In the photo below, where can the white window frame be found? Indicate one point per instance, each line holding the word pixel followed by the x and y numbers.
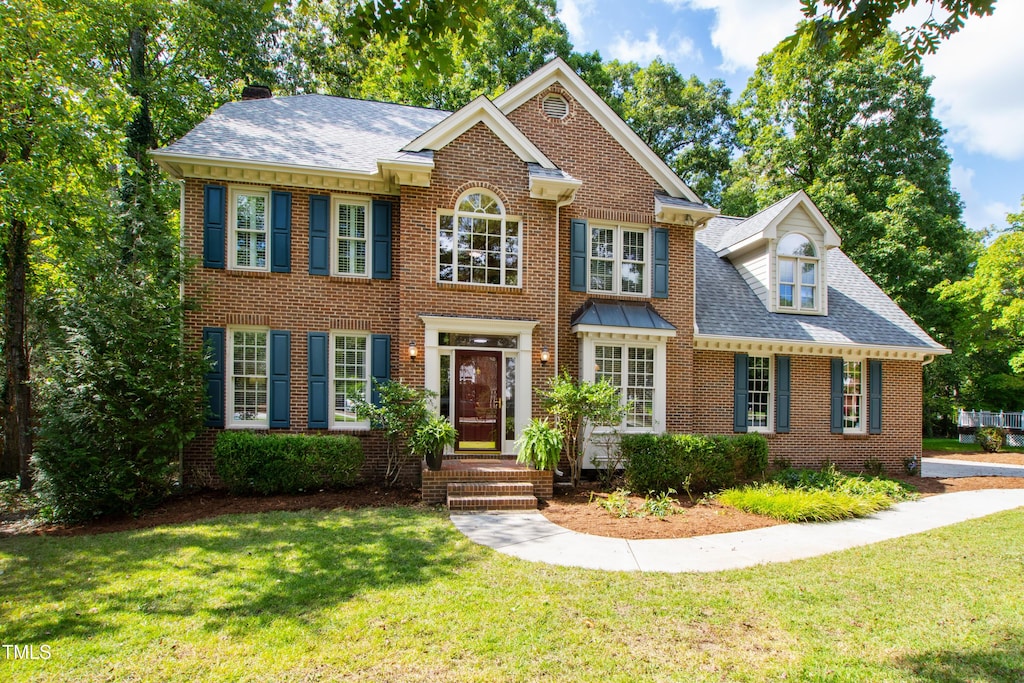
pixel 861 426
pixel 333 422
pixel 229 398
pixel 233 194
pixel 798 262
pixel 336 202
pixel 618 230
pixel 505 218
pixel 770 411
pixel 588 357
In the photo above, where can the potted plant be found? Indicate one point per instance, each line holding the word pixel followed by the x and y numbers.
pixel 430 439
pixel 540 446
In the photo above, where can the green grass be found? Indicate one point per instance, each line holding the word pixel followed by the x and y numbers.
pixel 954 446
pixel 796 505
pixel 399 595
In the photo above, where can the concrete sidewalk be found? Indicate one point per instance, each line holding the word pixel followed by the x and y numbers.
pixel 943 468
pixel 530 536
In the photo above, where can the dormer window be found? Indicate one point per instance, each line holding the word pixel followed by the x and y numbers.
pixel 798 274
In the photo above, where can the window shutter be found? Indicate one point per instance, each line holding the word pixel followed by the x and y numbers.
pixel 319 235
pixel 782 392
pixel 837 395
pixel 280 379
pixel 381 241
pixel 281 232
pixel 660 281
pixel 213 345
pixel 317 352
pixel 739 406
pixel 874 397
pixel 380 363
pixel 578 256
pixel 214 219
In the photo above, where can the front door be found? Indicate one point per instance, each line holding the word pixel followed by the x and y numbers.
pixel 478 392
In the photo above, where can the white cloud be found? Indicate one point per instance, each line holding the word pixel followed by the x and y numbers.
pixel 745 29
pixel 626 48
pixel 979 214
pixel 572 13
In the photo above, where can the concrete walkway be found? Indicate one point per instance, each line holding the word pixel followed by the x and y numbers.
pixel 530 536
pixel 943 468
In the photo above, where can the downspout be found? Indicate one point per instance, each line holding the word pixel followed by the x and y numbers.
pixel 181 297
pixel 558 268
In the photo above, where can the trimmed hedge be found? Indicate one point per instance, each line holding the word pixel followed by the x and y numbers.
pixel 658 462
pixel 265 464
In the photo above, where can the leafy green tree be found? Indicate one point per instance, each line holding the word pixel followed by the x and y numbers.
pixel 577 408
pixel 688 123
pixel 399 412
pixel 858 23
pixel 860 137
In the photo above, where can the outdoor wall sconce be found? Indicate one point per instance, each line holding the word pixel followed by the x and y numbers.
pixel 412 351
pixel 544 355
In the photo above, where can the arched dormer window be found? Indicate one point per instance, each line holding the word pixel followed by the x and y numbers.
pixel 798 274
pixel 478 243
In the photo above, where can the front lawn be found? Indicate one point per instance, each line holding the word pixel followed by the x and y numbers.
pixel 397 594
pixel 954 446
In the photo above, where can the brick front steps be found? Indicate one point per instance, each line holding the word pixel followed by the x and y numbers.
pixel 486 484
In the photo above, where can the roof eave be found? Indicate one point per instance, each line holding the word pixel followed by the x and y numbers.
pixel 796 347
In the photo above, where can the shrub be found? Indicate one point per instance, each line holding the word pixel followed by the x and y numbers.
pixel 801 505
pixel 265 464
pixel 874 467
pixel 991 439
pixel 540 446
pixel 692 462
pixel 399 412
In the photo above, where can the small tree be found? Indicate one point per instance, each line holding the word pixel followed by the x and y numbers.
pixel 399 412
pixel 577 408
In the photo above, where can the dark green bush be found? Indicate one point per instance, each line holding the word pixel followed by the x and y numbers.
pixel 991 439
pixel 660 462
pixel 265 464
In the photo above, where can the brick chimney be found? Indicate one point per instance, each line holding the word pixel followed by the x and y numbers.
pixel 256 92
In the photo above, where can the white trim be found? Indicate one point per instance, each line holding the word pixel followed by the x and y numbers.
pixel 686 216
pixel 768 428
pixel 789 347
pixel 561 190
pixel 614 333
pixel 480 110
pixel 830 238
pixel 617 236
pixel 367 205
pixel 820 286
pixel 557 71
pixel 229 376
pixel 862 428
pixel 358 425
pixel 505 219
pixel 233 192
pixel 587 373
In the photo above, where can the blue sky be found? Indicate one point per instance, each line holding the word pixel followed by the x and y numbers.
pixel 978 74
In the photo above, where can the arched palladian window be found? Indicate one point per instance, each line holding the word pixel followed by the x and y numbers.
pixel 478 243
pixel 798 273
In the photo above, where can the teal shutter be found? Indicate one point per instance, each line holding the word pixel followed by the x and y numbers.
pixel 739 405
pixel 782 392
pixel 874 397
pixel 280 379
pixel 214 220
pixel 317 352
pixel 660 280
pixel 578 255
pixel 281 232
pixel 213 347
pixel 319 235
pixel 381 241
pixel 380 363
pixel 837 395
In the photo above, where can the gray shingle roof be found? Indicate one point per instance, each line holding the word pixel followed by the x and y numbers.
pixel 538 171
pixel 858 311
pixel 619 314
pixel 317 131
pixel 679 201
pixel 748 227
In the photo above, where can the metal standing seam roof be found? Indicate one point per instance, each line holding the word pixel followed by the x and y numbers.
pixel 859 312
pixel 317 131
pixel 620 314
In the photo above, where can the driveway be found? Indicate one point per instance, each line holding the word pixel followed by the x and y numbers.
pixel 942 468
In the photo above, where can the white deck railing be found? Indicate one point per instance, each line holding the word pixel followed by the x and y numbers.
pixel 1012 422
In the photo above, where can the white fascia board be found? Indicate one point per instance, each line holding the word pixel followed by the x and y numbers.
pixel 480 110
pixel 743 245
pixel 414 173
pixel 619 333
pixel 555 189
pixel 163 157
pixel 800 198
pixel 807 348
pixel 446 323
pixel 558 71
pixel 687 216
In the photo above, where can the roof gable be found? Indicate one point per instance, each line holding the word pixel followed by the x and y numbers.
pixel 764 225
pixel 480 110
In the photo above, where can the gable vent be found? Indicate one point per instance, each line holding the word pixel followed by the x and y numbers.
pixel 555 107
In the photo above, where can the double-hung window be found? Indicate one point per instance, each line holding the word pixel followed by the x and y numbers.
pixel 798 274
pixel 631 370
pixel 351 243
pixel 853 397
pixel 478 243
pixel 250 211
pixel 247 384
pixel 618 259
pixel 759 393
pixel 350 376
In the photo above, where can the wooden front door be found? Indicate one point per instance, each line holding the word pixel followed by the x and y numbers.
pixel 478 392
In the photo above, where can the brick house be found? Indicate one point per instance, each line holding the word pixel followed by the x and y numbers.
pixel 478 252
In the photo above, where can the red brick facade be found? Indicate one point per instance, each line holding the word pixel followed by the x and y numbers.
pixel 615 188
